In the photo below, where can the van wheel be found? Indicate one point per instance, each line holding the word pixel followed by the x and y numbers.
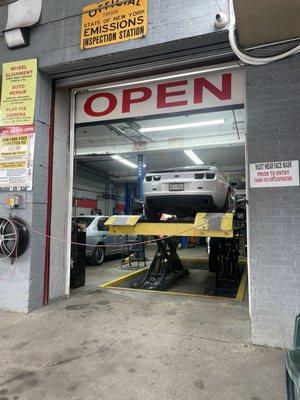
pixel 98 255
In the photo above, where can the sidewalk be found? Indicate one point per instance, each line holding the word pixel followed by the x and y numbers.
pixel 113 345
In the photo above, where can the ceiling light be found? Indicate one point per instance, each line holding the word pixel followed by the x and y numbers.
pixel 124 161
pixel 182 126
pixel 193 157
pixel 198 71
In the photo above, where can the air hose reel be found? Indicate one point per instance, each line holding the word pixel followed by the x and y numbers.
pixel 14 237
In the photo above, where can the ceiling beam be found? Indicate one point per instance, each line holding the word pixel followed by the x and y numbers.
pixel 80 166
pixel 136 128
pixel 120 132
pixel 173 144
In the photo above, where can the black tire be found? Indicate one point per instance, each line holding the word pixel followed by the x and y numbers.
pixel 98 256
pixel 229 203
pixel 23 236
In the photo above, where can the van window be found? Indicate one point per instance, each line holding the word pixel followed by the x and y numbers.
pixel 101 226
pixel 84 221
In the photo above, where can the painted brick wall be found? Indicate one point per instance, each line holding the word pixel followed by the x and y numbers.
pixel 273 107
pixel 21 284
pixel 55 39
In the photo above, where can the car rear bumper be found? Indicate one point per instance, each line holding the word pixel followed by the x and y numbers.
pixel 188 204
pixel 89 251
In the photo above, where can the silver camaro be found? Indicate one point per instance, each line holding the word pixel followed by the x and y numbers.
pixel 97 234
pixel 186 191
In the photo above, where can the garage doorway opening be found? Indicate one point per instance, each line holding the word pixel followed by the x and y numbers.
pixel 118 161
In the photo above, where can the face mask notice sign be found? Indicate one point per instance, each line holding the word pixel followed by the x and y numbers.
pixel 114 21
pixel 274 174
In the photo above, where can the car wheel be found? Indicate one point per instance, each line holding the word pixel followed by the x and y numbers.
pixel 229 202
pixel 98 256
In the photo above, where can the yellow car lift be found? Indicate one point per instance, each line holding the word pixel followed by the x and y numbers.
pixel 166 266
pixel 205 225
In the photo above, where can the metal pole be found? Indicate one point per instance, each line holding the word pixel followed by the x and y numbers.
pixel 128 198
pixel 141 175
pixel 140 250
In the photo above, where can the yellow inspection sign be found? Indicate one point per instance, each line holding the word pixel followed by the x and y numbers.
pixel 114 21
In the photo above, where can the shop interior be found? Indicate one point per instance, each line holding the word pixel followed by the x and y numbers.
pixel 111 163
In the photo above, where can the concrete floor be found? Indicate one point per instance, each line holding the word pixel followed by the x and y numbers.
pixel 118 345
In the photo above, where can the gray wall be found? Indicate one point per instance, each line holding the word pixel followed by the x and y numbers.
pixel 273 111
pixel 91 185
pixel 21 284
pixel 55 40
pixel 59 206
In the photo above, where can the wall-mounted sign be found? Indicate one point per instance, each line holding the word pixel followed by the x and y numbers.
pixel 16 157
pixel 18 93
pixel 187 91
pixel 108 22
pixel 274 174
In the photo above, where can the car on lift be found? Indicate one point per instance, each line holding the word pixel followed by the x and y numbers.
pixel 187 191
pixel 97 234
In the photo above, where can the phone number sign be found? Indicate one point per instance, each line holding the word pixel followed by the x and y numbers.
pixel 109 22
pixel 274 174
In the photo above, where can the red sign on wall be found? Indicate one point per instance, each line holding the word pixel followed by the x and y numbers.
pixel 84 203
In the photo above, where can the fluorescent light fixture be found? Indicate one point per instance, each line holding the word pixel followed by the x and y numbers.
pixel 198 71
pixel 193 157
pixel 182 126
pixel 124 161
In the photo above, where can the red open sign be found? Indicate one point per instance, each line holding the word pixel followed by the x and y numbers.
pixel 213 90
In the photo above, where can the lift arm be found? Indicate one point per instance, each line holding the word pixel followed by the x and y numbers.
pixel 205 225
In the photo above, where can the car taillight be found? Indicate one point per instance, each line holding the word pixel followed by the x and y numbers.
pixel 199 176
pixel 148 178
pixel 156 178
pixel 210 176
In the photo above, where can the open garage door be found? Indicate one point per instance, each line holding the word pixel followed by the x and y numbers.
pixel 176 144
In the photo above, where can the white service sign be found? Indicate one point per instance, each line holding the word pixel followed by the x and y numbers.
pixel 274 174
pixel 157 95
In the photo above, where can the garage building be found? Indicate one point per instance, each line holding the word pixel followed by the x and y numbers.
pixel 183 72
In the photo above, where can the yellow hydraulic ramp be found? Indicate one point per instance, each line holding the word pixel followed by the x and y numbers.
pixel 205 225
